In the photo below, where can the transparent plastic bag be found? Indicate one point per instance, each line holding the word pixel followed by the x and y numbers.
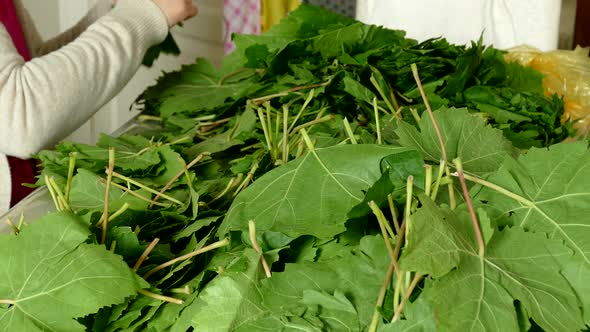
pixel 567 73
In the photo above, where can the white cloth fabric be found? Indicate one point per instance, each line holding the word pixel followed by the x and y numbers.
pixel 70 77
pixel 504 23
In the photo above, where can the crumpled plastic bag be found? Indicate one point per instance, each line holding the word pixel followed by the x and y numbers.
pixel 567 73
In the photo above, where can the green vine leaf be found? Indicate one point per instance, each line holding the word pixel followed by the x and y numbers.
pixel 553 187
pixel 53 276
pixel 482 149
pixel 479 294
pixel 311 195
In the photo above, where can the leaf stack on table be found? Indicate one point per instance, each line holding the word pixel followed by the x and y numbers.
pixel 307 185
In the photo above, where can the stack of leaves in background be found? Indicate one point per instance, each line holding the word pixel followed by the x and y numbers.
pixel 313 146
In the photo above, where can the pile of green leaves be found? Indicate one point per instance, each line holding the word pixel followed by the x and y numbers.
pixel 311 148
pixel 357 62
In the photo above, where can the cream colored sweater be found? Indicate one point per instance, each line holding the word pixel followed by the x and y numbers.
pixel 70 76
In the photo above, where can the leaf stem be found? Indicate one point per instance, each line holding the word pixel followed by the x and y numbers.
pixel 393 212
pixel 476 228
pixel 183 290
pixel 145 254
pixel 313 122
pixel 60 195
pixel 142 186
pixel 71 169
pixel 105 214
pixel 498 189
pixel 382 222
pixel 429 109
pixel 232 74
pixel 119 212
pixel 277 129
pixel 9 302
pixel 413 285
pixel 58 206
pixel 260 100
pixel 428 182
pixel 409 195
pixel 269 127
pixel 381 298
pixel 13 226
pixel 252 233
pixel 349 131
pixel 307 141
pixel 415 115
pixel 452 200
pixel 377 124
pixel 399 285
pixel 247 180
pixel 382 93
pixel 303 108
pixel 441 171
pixel 229 186
pixel 144 118
pixel 394 100
pixel 262 118
pixel 133 193
pixel 210 247
pixel 160 297
pixel 178 175
pixel 285 134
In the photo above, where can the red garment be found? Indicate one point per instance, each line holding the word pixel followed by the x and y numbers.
pixel 582 34
pixel 21 171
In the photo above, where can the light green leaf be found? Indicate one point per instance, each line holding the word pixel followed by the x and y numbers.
pixel 296 299
pixel 129 154
pixel 479 294
pixel 481 148
pixel 431 244
pixel 197 88
pixel 53 276
pixel 419 318
pixel 311 195
pixel 88 191
pixel 337 311
pixel 555 186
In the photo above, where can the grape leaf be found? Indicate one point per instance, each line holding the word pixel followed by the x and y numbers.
pixel 53 276
pixel 478 295
pixel 431 243
pixel 343 288
pixel 311 195
pixel 419 318
pixel 481 148
pixel 128 156
pixel 88 191
pixel 168 46
pixel 197 87
pixel 554 185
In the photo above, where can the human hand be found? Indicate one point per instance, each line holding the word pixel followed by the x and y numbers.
pixel 177 11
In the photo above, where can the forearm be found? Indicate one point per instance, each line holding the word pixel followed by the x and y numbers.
pixel 45 99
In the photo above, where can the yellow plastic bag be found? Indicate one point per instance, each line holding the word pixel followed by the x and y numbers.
pixel 567 73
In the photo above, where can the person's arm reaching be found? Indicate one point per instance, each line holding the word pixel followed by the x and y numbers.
pixel 38 47
pixel 45 99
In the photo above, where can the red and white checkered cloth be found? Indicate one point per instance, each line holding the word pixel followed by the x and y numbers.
pixel 240 16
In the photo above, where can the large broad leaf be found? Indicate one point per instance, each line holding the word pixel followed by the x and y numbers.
pixel 131 153
pixel 555 186
pixel 479 294
pixel 53 276
pixel 311 195
pixel 419 318
pixel 481 148
pixel 338 294
pixel 88 191
pixel 197 88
